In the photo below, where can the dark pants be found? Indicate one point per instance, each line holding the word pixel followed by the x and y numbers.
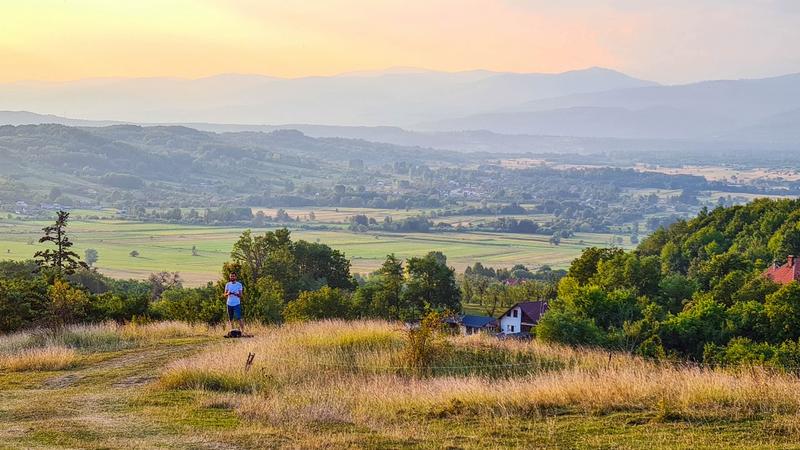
pixel 235 312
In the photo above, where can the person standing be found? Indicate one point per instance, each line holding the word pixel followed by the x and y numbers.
pixel 233 293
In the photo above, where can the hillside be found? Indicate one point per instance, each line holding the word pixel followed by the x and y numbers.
pixel 163 162
pixel 572 137
pixel 695 289
pixel 341 384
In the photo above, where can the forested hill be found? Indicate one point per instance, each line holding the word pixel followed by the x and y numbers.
pixel 694 289
pixel 184 164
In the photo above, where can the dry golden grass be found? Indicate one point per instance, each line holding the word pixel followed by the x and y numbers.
pixel 46 358
pixel 351 372
pixel 59 349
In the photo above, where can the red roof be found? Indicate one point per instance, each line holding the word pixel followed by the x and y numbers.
pixel 786 273
pixel 533 311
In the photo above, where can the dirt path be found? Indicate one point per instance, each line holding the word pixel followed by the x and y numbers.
pixel 98 405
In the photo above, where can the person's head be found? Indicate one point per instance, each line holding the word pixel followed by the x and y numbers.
pixel 232 276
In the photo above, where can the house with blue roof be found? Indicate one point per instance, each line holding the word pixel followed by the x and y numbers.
pixel 471 324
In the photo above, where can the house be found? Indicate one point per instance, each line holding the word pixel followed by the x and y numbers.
pixel 468 324
pixel 786 273
pixel 521 317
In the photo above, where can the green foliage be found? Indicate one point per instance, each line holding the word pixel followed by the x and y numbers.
pixel 742 351
pixel 90 256
pixel 783 310
pixel 23 302
pixel 694 327
pixel 425 344
pixel 118 307
pixel 694 289
pixel 569 327
pixel 297 266
pixel 67 304
pixel 326 303
pixel 585 266
pixel 61 259
pixel 267 305
pixel 430 285
pixel 380 296
pixel 193 305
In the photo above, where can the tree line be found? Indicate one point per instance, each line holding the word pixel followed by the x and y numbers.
pixel 285 280
pixel 695 289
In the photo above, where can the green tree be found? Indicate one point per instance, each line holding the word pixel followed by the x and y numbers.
pixel 193 305
pixel 431 285
pixel 163 281
pixel 694 327
pixel 321 264
pixel 23 302
pixel 90 256
pixel 67 304
pixel 326 303
pixel 267 306
pixel 584 267
pixel 569 327
pixel 783 311
pixel 380 296
pixel 62 259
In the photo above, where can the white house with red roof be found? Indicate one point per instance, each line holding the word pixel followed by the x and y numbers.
pixel 521 317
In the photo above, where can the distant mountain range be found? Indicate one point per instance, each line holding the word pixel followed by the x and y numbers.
pixel 730 109
pixel 397 98
pixel 467 111
pixel 461 141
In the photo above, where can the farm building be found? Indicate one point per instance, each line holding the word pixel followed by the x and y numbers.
pixel 786 273
pixel 469 324
pixel 521 317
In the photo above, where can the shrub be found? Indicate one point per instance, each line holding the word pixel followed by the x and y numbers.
pixel 569 328
pixel 325 303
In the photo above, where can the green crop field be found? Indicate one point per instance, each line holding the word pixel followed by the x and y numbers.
pixel 169 247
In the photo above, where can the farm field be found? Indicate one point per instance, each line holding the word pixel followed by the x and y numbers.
pixel 169 247
pixel 171 385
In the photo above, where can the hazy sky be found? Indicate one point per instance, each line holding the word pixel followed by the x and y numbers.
pixel 662 40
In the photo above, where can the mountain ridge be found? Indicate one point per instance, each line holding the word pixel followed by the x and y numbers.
pixel 399 99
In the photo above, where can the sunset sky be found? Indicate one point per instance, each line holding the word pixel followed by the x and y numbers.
pixel 667 41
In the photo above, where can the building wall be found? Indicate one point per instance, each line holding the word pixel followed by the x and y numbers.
pixel 508 321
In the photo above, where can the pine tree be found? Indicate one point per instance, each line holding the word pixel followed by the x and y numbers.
pixel 62 259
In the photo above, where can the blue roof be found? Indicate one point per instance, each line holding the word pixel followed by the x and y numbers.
pixel 476 321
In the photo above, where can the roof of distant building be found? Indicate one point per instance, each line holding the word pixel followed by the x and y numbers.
pixel 786 273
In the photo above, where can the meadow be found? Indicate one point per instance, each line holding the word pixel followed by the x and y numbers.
pixel 349 385
pixel 169 246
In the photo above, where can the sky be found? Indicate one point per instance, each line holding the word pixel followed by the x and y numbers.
pixel 670 41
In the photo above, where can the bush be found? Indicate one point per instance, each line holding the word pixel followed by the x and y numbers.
pixel 22 303
pixel 325 303
pixel 196 305
pixel 569 328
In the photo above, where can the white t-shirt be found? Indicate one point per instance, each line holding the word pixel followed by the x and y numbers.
pixel 234 289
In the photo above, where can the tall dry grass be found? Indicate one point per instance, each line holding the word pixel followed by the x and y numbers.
pixel 45 358
pixel 352 372
pixel 63 348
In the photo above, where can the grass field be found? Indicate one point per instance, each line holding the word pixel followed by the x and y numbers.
pixel 169 247
pixel 344 385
